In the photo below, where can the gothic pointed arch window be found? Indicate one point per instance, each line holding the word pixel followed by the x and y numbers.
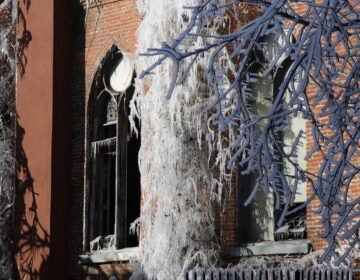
pixel 115 179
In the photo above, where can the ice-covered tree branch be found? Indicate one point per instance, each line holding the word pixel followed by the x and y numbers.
pixel 310 52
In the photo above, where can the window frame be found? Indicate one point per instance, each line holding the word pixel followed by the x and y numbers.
pixel 242 180
pixel 100 87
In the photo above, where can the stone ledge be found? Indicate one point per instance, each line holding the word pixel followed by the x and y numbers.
pixel 122 255
pixel 300 246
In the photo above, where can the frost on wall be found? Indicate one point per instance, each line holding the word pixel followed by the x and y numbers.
pixel 320 43
pixel 180 184
pixel 8 10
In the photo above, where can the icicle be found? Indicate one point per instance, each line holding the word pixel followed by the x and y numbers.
pixel 319 57
pixel 98 145
pixel 177 152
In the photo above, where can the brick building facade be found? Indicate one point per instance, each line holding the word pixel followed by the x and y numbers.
pixel 95 32
pixel 71 75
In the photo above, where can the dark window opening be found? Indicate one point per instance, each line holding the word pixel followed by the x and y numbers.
pixel 133 194
pixel 115 177
pixel 257 221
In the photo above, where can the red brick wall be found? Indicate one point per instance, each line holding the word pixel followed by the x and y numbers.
pixel 314 227
pixel 94 30
pixel 228 219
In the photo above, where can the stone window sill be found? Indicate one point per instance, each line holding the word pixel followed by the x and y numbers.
pixel 122 255
pixel 300 246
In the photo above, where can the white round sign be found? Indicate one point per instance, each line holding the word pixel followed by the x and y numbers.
pixel 121 74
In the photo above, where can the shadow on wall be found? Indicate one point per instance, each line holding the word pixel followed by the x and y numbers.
pixel 31 240
pixel 24 36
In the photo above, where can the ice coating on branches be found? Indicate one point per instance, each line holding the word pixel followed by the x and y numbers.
pixel 319 41
pixel 8 12
pixel 179 180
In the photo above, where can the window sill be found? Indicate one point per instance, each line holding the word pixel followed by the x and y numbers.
pixel 300 246
pixel 122 255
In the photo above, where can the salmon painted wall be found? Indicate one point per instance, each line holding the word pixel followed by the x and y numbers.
pixel 42 94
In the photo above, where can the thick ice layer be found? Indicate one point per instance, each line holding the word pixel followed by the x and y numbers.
pixel 177 152
pixel 320 56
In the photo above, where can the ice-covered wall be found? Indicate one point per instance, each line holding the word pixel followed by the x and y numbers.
pixel 317 76
pixel 8 11
pixel 179 180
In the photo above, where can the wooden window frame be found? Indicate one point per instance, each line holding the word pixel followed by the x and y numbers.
pixel 120 233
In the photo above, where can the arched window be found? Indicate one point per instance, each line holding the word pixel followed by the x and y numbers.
pixel 261 215
pixel 115 178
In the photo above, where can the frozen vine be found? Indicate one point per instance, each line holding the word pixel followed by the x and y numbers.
pixel 315 47
pixel 180 184
pixel 8 12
